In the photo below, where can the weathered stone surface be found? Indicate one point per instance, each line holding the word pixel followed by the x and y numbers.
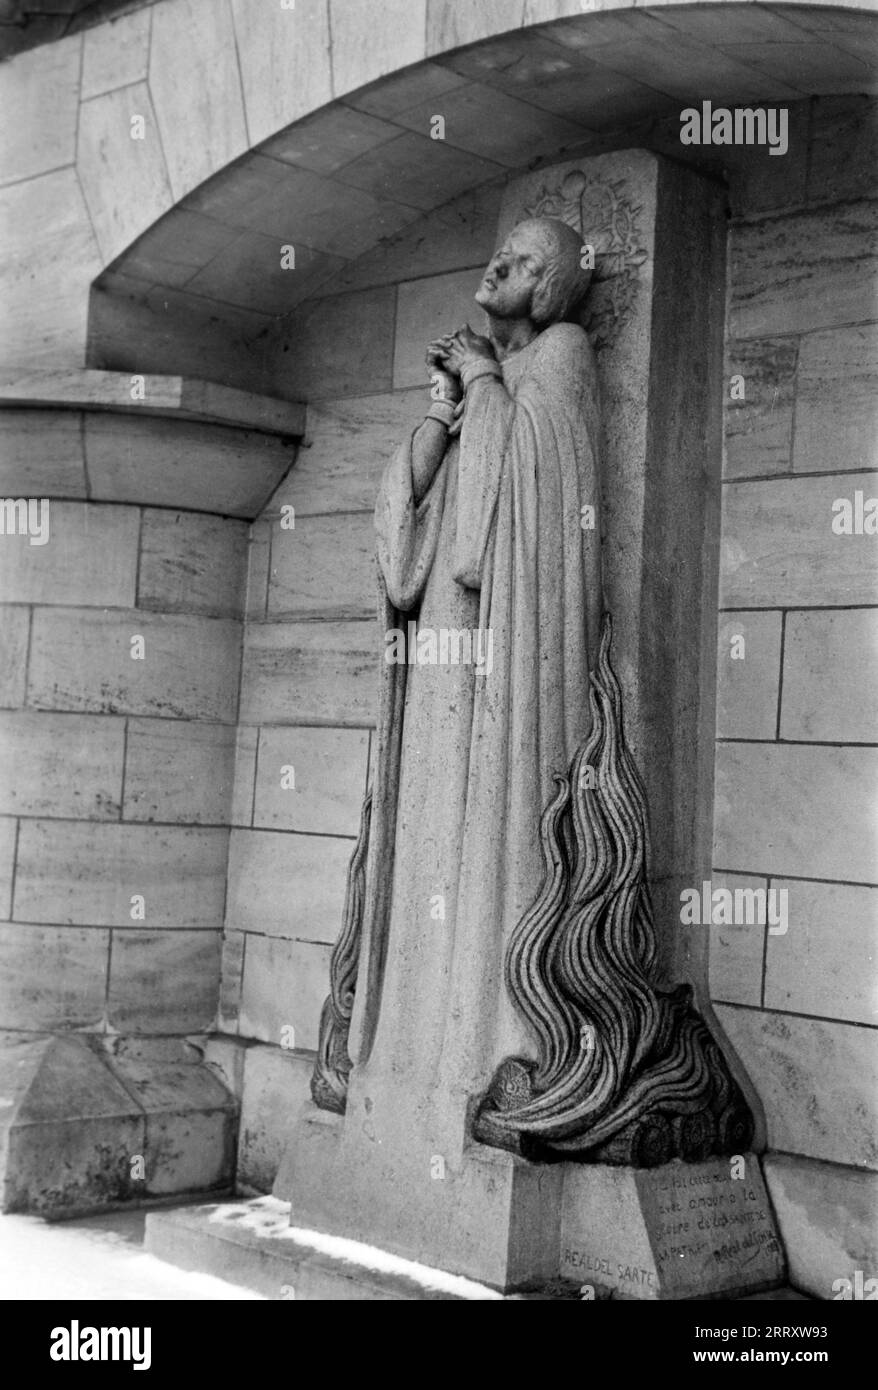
pixel 224 1056
pixel 163 981
pixel 86 874
pixel 452 237
pixel 97 1123
pixel 827 1219
pixel 8 834
pixel 252 1242
pixel 756 184
pixel 837 400
pixel 124 178
pixel 736 951
pixel 175 248
pixel 830 676
pixel 38 110
pixel 190 1115
pixel 492 1185
pixel 142 330
pixel 276 1086
pixel 41 454
pixel 844 148
pixel 196 87
pixel 284 57
pixel 450 26
pixel 812 65
pixel 349 443
pixel 426 309
pixel 61 765
pixel 759 427
pixel 53 1167
pixel 258 554
pixel 52 977
pixel 824 964
pixel 339 346
pixel 245 775
pixel 81 660
pixel 494 125
pixel 50 259
pixel 115 54
pixel 329 767
pixel 178 770
pixel 232 974
pixel 250 273
pixel 330 138
pixel 402 89
pixel 14 629
pixel 287 885
pixel 801 271
pixel 685 1230
pixel 365 44
pixel 191 563
pixel 90 557
pixel 770 818
pixel 284 985
pixel 814 566
pixel 783 1054
pixel 146 393
pixel 323 569
pixel 197 467
pixel 747 683
pixel 306 210
pixel 326 674
pixel 420 172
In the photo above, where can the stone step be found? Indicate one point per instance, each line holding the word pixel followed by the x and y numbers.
pixel 251 1243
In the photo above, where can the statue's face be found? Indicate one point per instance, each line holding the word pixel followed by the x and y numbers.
pixel 515 271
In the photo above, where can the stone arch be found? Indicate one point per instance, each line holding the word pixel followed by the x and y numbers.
pixel 297 131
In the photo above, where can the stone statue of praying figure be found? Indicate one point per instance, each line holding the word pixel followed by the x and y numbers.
pixel 488 552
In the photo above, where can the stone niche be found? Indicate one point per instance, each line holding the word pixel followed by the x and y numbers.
pixel 655 313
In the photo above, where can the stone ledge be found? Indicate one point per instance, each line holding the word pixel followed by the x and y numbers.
pixel 176 397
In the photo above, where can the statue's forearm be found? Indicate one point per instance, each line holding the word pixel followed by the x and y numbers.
pixel 428 450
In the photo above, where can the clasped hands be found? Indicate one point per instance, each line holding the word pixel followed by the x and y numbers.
pixel 448 356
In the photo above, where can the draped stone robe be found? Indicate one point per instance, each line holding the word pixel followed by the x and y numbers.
pixel 466 760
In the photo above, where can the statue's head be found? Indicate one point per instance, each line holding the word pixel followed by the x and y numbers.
pixel 535 274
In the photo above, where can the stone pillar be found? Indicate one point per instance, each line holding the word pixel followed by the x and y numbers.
pixel 655 315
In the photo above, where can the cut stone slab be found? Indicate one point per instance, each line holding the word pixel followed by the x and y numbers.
pixel 88 1123
pixel 682 1231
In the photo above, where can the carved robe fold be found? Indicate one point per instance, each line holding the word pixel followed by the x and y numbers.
pixel 466 760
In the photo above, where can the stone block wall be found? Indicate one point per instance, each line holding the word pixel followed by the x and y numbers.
pixel 796 759
pixel 118 770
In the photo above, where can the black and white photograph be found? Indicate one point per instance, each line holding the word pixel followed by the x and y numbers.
pixel 438 668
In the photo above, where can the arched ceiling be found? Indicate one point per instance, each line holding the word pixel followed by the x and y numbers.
pixel 359 170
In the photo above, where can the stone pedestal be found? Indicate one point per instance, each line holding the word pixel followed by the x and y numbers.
pixel 487 1215
pixel 685 1230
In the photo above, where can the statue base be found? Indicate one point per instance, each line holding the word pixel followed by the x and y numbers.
pixel 680 1231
